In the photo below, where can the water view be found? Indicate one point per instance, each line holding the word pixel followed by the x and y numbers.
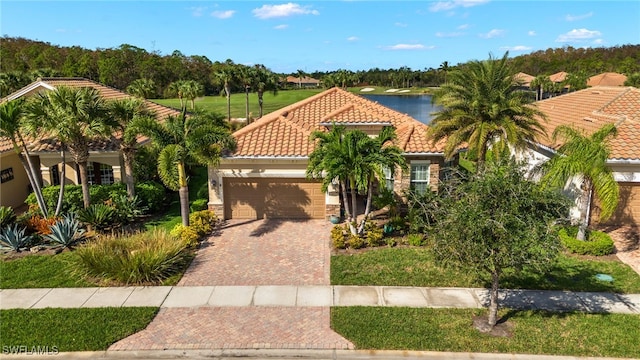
pixel 418 107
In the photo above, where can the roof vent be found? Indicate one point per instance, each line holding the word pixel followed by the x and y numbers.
pixel 586 118
pixel 285 113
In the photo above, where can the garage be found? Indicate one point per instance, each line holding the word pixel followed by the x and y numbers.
pixel 628 210
pixel 273 198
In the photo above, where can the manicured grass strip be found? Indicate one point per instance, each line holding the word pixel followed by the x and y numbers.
pixel 40 271
pixel 71 329
pixel 573 334
pixel 416 267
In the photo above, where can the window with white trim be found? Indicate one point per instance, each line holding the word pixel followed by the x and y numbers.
pixel 420 176
pixel 388 178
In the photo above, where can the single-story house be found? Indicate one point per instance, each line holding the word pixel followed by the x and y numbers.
pixel 558 77
pixel 525 78
pixel 105 160
pixel 607 79
pixel 266 176
pixel 305 81
pixel 588 110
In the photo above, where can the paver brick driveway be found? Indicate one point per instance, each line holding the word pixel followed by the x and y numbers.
pixel 263 252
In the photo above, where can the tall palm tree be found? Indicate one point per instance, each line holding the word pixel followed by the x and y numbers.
pixel 75 117
pixel 585 157
pixel 481 106
pixel 226 77
pixel 444 68
pixel 124 112
pixel 541 84
pixel 247 78
pixel 190 90
pixel 301 74
pixel 200 138
pixel 142 88
pixel 353 159
pixel 11 127
pixel 176 89
pixel 265 80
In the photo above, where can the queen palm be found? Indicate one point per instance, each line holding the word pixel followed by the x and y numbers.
pixel 76 117
pixel 481 106
pixel 124 112
pixel 226 77
pixel 265 80
pixel 200 138
pixel 541 84
pixel 585 157
pixel 11 128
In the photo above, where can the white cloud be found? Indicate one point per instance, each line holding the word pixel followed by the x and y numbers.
pixel 579 35
pixel 223 14
pixel 281 27
pixel 598 41
pixel 399 24
pixel 493 33
pixel 198 11
pixel 570 17
pixel 449 35
pixel 449 5
pixel 531 33
pixel 408 47
pixel 282 10
pixel 516 48
pixel 353 38
pixel 463 27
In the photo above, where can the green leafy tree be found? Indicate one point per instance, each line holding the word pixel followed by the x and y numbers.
pixel 482 107
pixel 11 127
pixel 200 138
pixel 577 80
pixel 75 117
pixel 353 159
pixel 633 80
pixel 142 88
pixel 498 222
pixel 585 158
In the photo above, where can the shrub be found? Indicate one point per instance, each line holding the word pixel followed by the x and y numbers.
pixel 66 232
pixel 416 239
pixel 202 221
pixel 151 195
pixel 597 243
pixel 15 238
pixel 141 259
pixel 355 241
pixel 7 216
pixel 198 205
pixel 373 234
pixel 187 235
pixel 99 216
pixel 337 237
pixel 72 201
pixel 39 225
pixel 126 210
pixel 390 241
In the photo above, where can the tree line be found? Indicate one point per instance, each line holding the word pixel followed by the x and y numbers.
pixel 24 60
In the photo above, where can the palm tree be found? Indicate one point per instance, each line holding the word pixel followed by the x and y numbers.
pixel 200 138
pixel 585 157
pixel 444 67
pixel 142 88
pixel 76 117
pixel 11 125
pixel 226 77
pixel 125 112
pixel 176 89
pixel 481 106
pixel 190 90
pixel 353 159
pixel 541 84
pixel 247 77
pixel 265 80
pixel 301 74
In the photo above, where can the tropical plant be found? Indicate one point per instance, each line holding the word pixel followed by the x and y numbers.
pixel 265 80
pixel 633 80
pixel 191 89
pixel 246 76
pixel 482 107
pixel 11 127
pixel 7 216
pixel 99 216
pixel 353 159
pixel 15 237
pixel 200 138
pixel 66 232
pixel 584 158
pixel 444 68
pixel 142 88
pixel 76 117
pixel 126 209
pixel 301 74
pixel 226 76
pixel 541 84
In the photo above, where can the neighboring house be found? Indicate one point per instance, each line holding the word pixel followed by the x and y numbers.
pixel 589 110
pixel 525 79
pixel 105 160
pixel 607 79
pixel 266 176
pixel 558 77
pixel 305 82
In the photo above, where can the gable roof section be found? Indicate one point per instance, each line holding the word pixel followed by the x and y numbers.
pixel 108 93
pixel 286 132
pixel 304 80
pixel 590 109
pixel 525 78
pixel 558 77
pixel 607 79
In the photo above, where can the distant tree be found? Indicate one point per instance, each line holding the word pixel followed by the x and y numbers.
pixel 265 80
pixel 497 222
pixel 301 74
pixel 633 80
pixel 577 80
pixel 246 76
pixel 444 68
pixel 191 89
pixel 142 88
pixel 226 77
pixel 540 84
pixel 175 89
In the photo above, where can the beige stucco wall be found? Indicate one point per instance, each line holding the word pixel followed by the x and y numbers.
pixel 13 192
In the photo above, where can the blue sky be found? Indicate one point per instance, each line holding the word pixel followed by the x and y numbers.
pixel 328 35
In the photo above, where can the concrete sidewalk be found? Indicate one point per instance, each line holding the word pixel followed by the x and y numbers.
pixel 314 296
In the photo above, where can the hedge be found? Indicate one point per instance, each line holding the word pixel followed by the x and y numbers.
pixel 597 243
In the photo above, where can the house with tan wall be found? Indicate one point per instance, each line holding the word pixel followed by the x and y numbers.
pixel 266 176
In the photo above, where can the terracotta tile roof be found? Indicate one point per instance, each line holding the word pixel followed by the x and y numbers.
pixel 590 109
pixel 558 77
pixel 525 78
pixel 286 132
pixel 607 79
pixel 108 93
pixel 305 80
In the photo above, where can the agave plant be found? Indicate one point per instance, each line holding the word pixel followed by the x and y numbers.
pixel 66 232
pixel 15 237
pixel 100 216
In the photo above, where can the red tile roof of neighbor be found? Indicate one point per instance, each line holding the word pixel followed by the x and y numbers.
pixel 305 80
pixel 558 77
pixel 285 132
pixel 592 108
pixel 525 78
pixel 106 92
pixel 607 79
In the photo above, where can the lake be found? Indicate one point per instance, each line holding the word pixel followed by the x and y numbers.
pixel 418 107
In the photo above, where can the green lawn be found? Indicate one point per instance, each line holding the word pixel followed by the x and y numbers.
pixel 40 271
pixel 416 267
pixel 534 332
pixel 62 330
